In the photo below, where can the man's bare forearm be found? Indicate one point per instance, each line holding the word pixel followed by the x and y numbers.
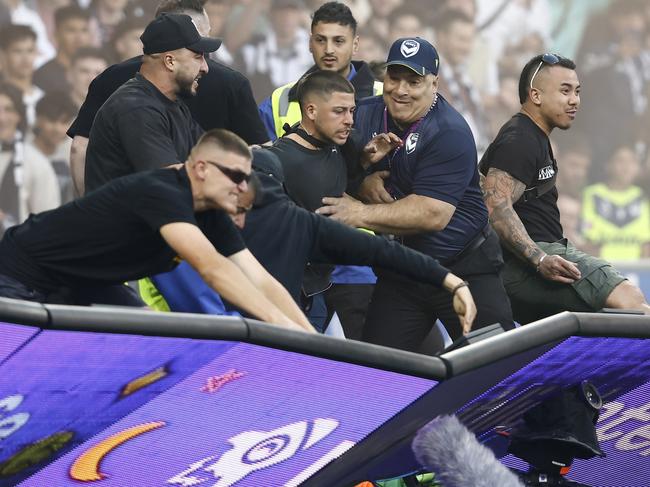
pixel 407 216
pixel 78 163
pixel 500 189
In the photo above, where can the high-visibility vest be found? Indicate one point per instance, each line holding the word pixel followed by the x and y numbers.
pixel 287 111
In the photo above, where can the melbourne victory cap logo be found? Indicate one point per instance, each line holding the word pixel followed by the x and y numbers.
pixel 409 48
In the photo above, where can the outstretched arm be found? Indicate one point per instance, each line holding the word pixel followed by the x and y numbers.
pixel 270 287
pixel 500 190
pixel 339 244
pixel 226 277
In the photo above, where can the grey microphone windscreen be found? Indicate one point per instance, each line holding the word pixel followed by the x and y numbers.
pixel 453 453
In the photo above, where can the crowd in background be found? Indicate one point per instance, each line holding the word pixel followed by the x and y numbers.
pixel 50 50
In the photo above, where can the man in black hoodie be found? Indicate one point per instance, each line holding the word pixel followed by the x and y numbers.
pixel 333 42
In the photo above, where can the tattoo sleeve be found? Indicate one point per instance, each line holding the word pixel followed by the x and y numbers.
pixel 500 190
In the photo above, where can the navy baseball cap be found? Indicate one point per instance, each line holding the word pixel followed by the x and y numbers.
pixel 415 53
pixel 169 32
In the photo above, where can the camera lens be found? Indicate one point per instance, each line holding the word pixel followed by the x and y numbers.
pixel 591 395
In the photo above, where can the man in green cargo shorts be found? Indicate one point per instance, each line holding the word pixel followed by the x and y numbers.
pixel 544 273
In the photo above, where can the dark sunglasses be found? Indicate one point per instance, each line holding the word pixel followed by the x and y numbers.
pixel 235 175
pixel 550 59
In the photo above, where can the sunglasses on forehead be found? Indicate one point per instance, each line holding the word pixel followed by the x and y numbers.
pixel 235 175
pixel 550 59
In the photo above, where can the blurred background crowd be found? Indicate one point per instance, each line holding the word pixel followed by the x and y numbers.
pixel 50 50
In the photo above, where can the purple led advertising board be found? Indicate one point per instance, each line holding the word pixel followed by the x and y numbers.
pixel 619 368
pixel 106 410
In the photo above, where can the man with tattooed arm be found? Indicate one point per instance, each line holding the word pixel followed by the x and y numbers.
pixel 544 273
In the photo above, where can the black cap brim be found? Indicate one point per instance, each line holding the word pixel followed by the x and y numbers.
pixel 205 44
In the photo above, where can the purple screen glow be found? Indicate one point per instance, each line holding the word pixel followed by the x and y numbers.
pixel 620 369
pixel 119 410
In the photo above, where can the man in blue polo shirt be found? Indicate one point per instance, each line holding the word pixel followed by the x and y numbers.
pixel 425 191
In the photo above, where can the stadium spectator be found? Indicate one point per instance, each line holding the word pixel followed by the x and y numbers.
pixel 407 22
pixel 313 156
pixel 333 43
pixel 18 48
pixel 54 112
pixel 372 49
pixel 140 225
pixel 280 54
pixel 426 193
pixel 126 43
pixel 106 15
pixel 623 61
pixel 22 14
pixel 86 64
pixel 72 31
pixel 381 19
pixel 616 213
pixel 27 181
pixel 544 273
pixel 145 124
pixel 455 37
pixel 576 163
pixel 218 12
pixel 223 99
pixel 512 22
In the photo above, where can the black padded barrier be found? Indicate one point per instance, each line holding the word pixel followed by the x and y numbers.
pixel 115 319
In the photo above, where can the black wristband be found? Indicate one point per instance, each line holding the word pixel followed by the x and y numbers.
pixel 458 286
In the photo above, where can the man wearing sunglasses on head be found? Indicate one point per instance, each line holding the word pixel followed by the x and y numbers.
pixel 144 224
pixel 544 273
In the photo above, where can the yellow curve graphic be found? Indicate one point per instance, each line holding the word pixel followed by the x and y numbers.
pixel 86 467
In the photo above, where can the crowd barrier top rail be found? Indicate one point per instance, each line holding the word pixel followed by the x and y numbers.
pixel 114 319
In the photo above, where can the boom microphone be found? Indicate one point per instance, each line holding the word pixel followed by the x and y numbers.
pixel 451 451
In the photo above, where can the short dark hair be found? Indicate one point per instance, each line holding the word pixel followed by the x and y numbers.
pixel 448 16
pixel 334 13
pixel 16 97
pixel 14 33
pixel 56 106
pixel 89 52
pixel 531 67
pixel 69 12
pixel 226 141
pixel 324 83
pixel 179 6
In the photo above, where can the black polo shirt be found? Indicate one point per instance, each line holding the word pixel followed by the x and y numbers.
pixel 224 99
pixel 138 128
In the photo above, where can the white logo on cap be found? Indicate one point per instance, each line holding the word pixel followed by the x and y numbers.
pixel 409 48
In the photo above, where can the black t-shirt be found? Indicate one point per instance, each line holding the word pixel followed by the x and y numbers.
pixel 223 100
pixel 111 235
pixel 309 175
pixel 137 129
pixel 523 150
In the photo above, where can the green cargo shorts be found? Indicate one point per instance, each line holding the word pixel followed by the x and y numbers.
pixel 534 297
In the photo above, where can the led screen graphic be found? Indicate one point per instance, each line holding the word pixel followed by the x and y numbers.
pixel 620 369
pixel 108 410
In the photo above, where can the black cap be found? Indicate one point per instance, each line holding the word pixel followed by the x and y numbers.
pixel 169 32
